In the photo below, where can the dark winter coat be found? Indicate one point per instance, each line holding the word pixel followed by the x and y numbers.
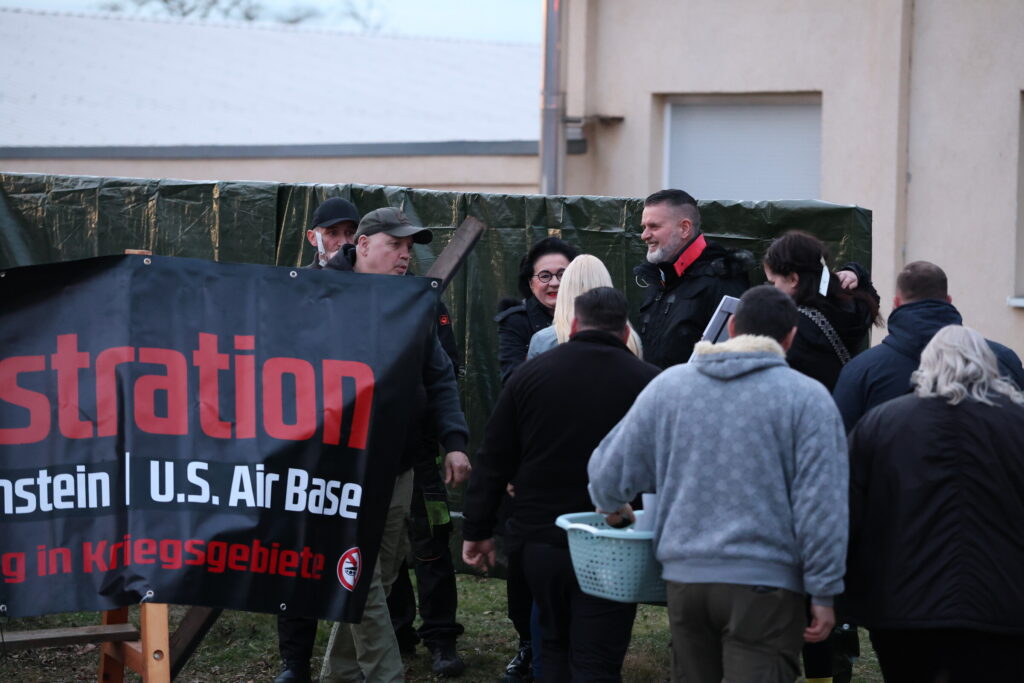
pixel 516 324
pixel 937 517
pixel 883 372
pixel 549 418
pixel 811 353
pixel 437 398
pixel 676 309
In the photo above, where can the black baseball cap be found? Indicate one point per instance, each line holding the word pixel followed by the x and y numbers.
pixel 333 211
pixel 393 222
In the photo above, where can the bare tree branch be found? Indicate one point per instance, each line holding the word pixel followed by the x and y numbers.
pixel 365 15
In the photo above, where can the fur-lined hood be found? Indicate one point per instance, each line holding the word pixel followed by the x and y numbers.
pixel 738 356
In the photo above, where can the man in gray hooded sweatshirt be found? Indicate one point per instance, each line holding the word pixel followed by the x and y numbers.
pixel 748 458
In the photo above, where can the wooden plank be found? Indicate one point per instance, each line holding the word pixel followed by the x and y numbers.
pixel 194 626
pixel 141 252
pixel 74 635
pixel 131 655
pixel 111 668
pixel 155 666
pixel 463 241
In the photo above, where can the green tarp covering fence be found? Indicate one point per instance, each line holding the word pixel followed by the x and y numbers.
pixel 46 218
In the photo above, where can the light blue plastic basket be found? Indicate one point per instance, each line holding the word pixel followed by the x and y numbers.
pixel 616 564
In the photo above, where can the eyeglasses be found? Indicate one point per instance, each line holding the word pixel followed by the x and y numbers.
pixel 545 275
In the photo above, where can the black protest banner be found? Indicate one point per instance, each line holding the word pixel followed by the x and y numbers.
pixel 188 432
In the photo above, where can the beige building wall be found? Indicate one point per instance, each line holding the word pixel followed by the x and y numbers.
pixel 926 91
pixel 471 173
pixel 964 197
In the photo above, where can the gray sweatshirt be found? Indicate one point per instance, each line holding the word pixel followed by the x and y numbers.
pixel 748 458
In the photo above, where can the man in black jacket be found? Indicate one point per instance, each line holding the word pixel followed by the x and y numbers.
pixel 922 306
pixel 551 415
pixel 686 277
pixel 369 649
pixel 429 533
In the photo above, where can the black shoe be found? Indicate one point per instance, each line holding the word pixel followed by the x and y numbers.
pixel 519 669
pixel 447 661
pixel 295 671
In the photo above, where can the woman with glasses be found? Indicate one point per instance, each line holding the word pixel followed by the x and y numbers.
pixel 540 275
pixel 585 273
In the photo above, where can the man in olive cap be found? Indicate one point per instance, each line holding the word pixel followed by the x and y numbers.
pixel 383 246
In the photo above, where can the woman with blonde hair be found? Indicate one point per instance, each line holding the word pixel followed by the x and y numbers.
pixel 936 503
pixel 584 273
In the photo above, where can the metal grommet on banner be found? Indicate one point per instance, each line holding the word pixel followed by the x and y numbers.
pixel 293 274
pixel 283 607
pixel 3 610
pixel 433 283
pixel 147 260
pixel 148 596
pixel 3 274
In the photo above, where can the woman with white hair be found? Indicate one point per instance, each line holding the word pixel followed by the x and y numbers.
pixel 935 569
pixel 583 274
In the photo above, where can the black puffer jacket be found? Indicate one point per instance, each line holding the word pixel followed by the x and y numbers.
pixel 517 321
pixel 936 510
pixel 676 309
pixel 812 353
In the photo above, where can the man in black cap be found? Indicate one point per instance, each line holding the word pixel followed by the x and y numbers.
pixel 383 246
pixel 334 225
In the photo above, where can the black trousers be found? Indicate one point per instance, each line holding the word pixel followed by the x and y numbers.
pixel 295 637
pixel 948 655
pixel 584 638
pixel 435 573
pixel 518 595
pixel 438 600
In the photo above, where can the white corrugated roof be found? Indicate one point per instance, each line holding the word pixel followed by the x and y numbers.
pixel 113 80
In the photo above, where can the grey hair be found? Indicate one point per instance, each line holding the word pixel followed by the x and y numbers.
pixel 958 365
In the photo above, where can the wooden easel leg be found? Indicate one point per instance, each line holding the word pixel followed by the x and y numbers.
pixel 190 632
pixel 156 649
pixel 112 667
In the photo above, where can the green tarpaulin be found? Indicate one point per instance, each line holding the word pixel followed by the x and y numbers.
pixel 45 218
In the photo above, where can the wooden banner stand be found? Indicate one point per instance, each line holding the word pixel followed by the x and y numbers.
pixel 149 656
pixel 150 650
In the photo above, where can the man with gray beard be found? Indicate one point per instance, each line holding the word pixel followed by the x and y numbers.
pixel 686 277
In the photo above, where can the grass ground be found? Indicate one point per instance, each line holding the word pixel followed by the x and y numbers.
pixel 242 646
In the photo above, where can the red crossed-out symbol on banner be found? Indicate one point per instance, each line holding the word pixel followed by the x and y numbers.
pixel 350 568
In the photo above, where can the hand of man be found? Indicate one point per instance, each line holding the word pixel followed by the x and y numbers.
pixel 622 517
pixel 456 468
pixel 847 279
pixel 822 620
pixel 479 554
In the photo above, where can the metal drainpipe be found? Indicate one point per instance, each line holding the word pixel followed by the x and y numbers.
pixel 552 107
